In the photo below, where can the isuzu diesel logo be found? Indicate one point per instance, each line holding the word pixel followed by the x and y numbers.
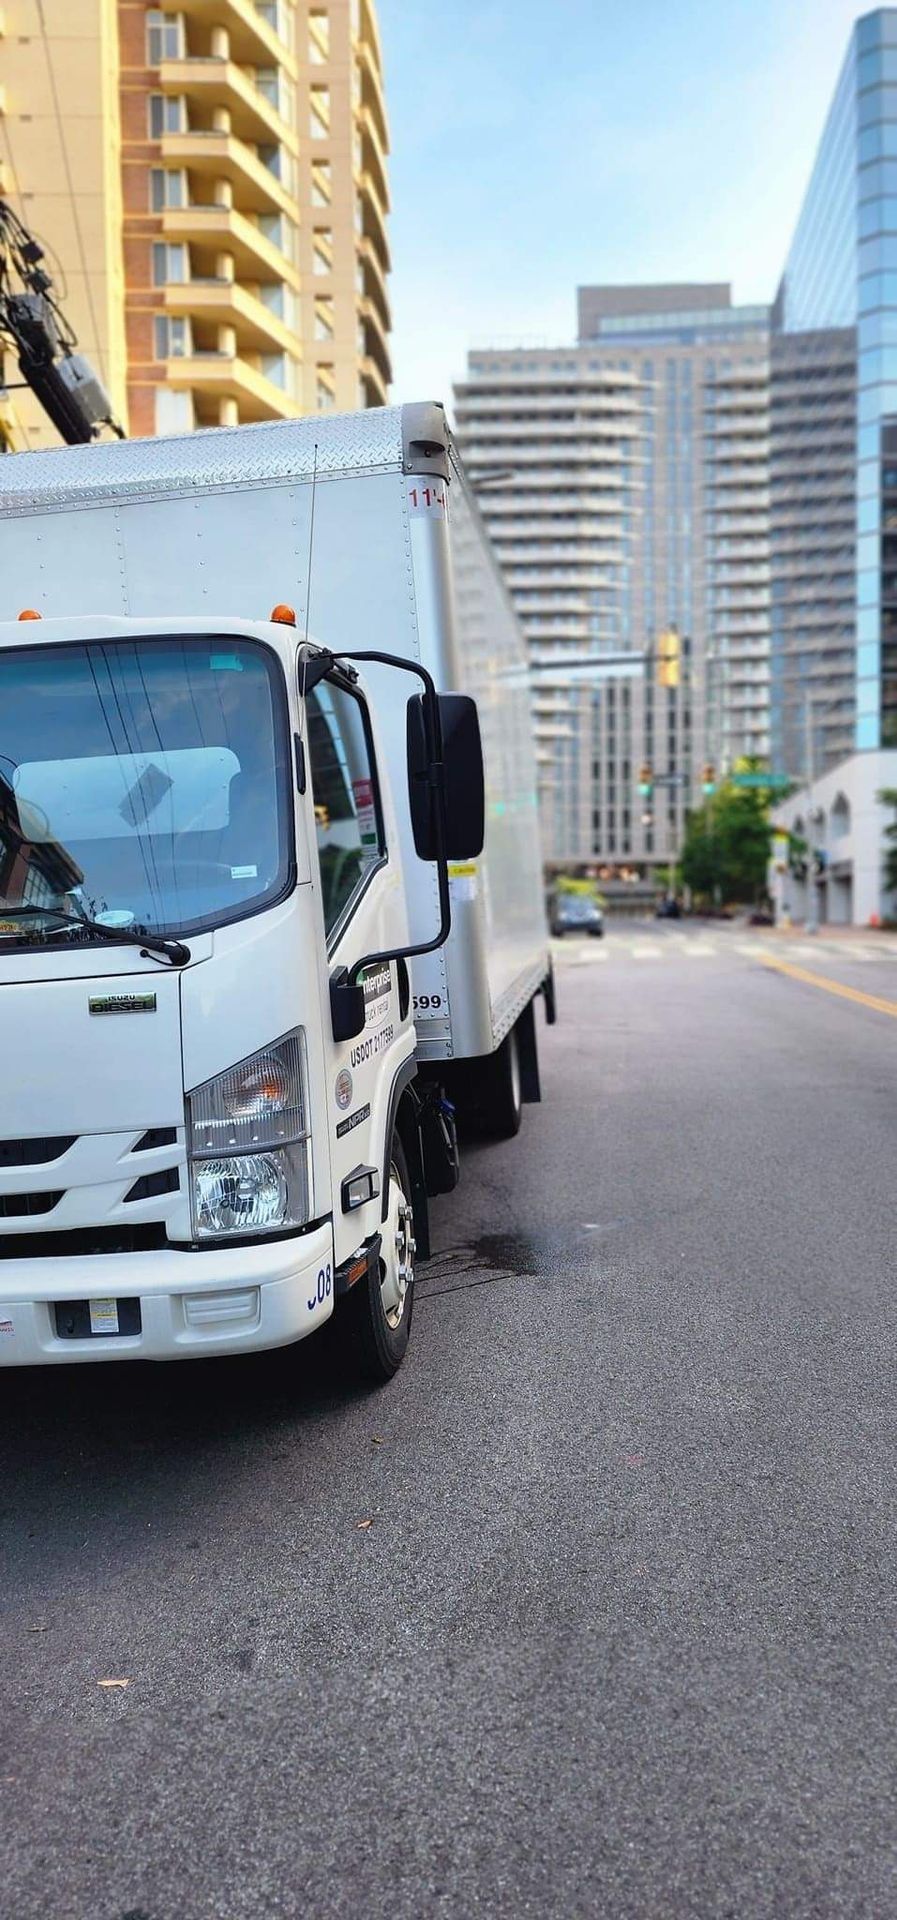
pixel 123 1003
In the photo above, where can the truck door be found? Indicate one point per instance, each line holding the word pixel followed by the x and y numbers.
pixel 364 912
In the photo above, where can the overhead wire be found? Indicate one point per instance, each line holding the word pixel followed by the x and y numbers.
pixel 82 252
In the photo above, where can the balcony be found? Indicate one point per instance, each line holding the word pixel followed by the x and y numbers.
pixel 376 339
pixel 588 397
pixel 251 39
pixel 373 157
pixel 221 156
pixel 372 90
pixel 374 277
pixel 378 387
pixel 223 376
pixel 211 230
pixel 224 303
pixel 370 33
pixel 212 83
pixel 374 216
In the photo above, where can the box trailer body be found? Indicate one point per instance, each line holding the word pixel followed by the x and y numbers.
pixel 167 557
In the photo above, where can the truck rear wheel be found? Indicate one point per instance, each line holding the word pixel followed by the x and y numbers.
pixel 379 1309
pixel 500 1091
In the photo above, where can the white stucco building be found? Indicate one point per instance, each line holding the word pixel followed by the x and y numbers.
pixel 843 822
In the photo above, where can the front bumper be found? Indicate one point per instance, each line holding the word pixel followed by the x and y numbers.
pixel 222 1300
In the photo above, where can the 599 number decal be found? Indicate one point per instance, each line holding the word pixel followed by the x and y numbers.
pixel 427 1002
pixel 323 1289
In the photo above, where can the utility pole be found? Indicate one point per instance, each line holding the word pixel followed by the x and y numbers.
pixel 33 326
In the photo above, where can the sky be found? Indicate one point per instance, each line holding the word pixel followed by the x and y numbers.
pixel 538 145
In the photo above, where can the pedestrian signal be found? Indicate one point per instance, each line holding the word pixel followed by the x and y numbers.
pixel 645 778
pixel 708 779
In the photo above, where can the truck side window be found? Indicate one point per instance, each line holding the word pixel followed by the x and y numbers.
pixel 345 797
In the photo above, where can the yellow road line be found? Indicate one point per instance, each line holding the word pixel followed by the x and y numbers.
pixel 832 986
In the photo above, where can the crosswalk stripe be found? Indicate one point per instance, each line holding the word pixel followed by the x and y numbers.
pixel 644 952
pixel 590 958
pixel 697 951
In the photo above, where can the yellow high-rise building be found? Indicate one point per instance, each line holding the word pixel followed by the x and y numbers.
pixel 210 182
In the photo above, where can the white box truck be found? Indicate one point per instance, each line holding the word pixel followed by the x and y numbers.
pixel 262 934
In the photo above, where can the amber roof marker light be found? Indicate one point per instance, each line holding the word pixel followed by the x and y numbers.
pixel 29 613
pixel 282 615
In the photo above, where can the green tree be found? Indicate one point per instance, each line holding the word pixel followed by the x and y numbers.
pixel 888 798
pixel 727 842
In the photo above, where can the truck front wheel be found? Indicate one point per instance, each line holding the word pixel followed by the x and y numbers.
pixel 379 1308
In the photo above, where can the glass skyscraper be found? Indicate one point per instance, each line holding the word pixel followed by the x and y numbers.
pixel 833 482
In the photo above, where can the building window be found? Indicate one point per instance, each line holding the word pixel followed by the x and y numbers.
pixel 321 183
pixel 164 36
pixel 325 395
pixel 319 117
pixel 279 17
pixel 172 337
pixel 167 114
pixel 280 231
pixel 322 251
pixel 281 165
pixel 274 367
pixel 167 188
pixel 323 319
pixel 318 37
pixel 276 89
pixel 281 301
pixel 171 265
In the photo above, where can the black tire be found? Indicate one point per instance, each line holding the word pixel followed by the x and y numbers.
pixel 500 1096
pixel 378 1348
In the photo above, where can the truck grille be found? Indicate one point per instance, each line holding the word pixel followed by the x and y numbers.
pixel 81 1240
pixel 24 1206
pixel 115 1196
pixel 35 1153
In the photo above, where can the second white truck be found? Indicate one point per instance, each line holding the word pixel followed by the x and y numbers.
pixel 265 933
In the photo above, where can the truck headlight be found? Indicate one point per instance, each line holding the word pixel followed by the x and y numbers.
pixel 248 1143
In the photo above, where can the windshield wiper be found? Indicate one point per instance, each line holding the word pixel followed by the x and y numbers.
pixel 149 943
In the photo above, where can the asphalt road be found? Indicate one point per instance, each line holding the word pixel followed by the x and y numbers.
pixel 620 1637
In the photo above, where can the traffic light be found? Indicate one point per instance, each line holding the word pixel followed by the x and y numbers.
pixel 645 777
pixel 668 658
pixel 708 778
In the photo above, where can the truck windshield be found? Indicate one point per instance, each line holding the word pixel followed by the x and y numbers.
pixel 143 784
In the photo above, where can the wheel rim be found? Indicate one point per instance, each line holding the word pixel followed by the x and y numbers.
pixel 397 1252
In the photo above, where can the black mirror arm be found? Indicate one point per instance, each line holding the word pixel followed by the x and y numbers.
pixel 436 780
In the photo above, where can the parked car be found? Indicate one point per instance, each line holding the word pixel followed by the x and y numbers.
pixel 668 909
pixel 577 913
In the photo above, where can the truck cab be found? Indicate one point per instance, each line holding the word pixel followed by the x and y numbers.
pixel 212 1130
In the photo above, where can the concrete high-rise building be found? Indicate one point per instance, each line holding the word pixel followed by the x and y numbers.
pixel 552 445
pixel 685 547
pixel 212 180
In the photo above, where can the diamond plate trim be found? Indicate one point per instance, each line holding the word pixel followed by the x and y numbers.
pixel 202 462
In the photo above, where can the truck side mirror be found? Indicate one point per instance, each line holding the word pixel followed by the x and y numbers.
pixel 465 801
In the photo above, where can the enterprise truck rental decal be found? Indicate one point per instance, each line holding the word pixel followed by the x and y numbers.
pixel 377 989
